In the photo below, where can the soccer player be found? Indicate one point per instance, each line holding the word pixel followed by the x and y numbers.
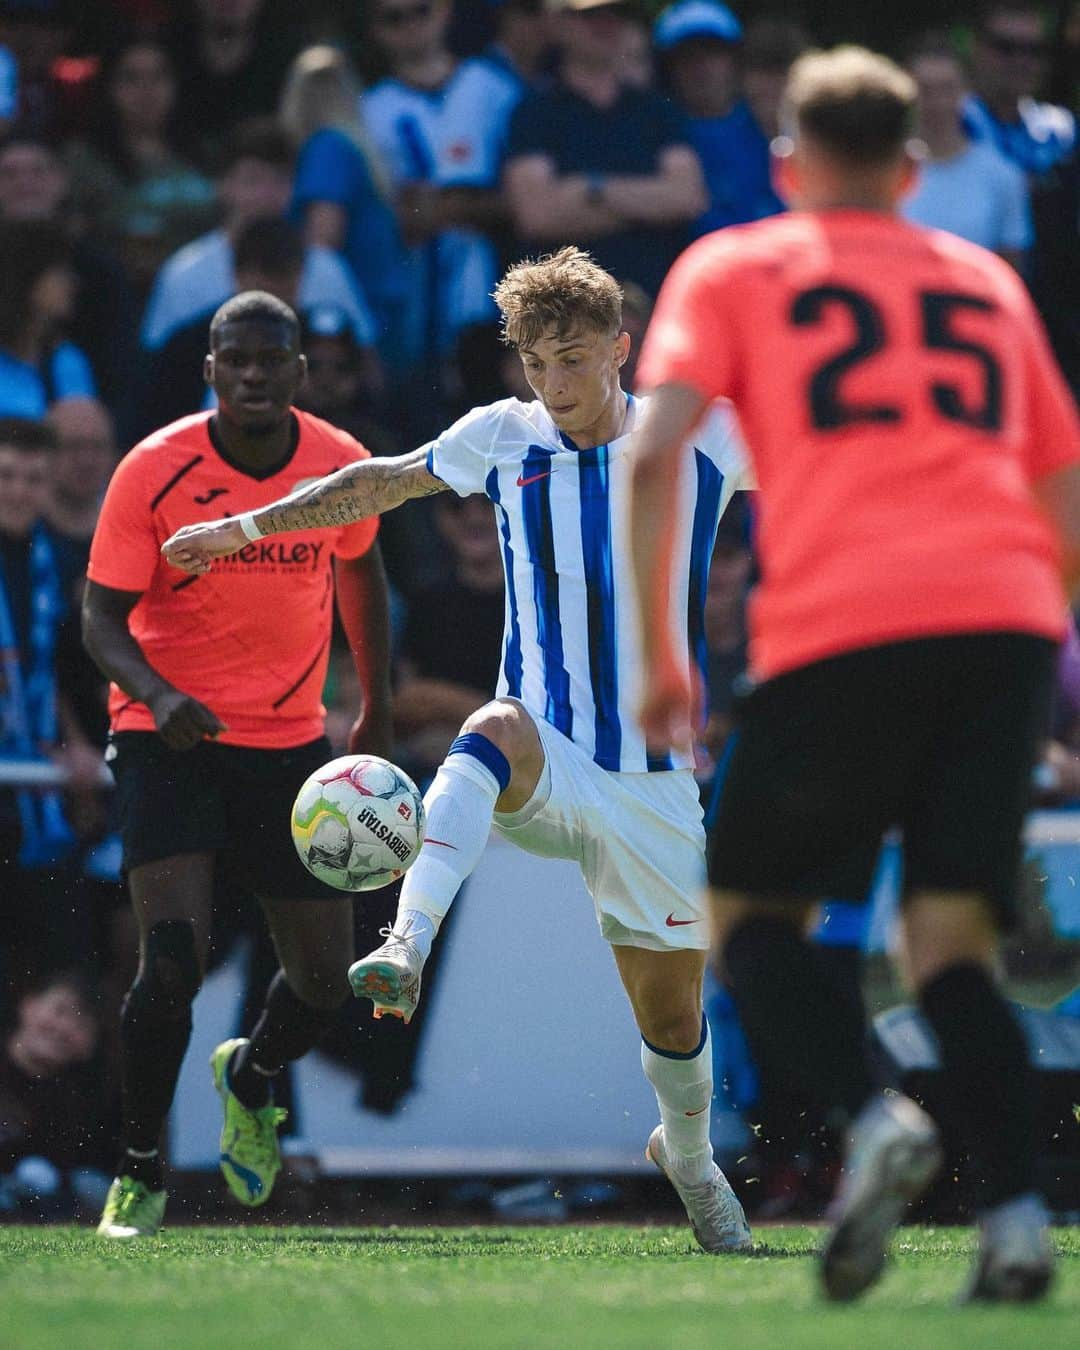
pixel 208 753
pixel 917 455
pixel 556 761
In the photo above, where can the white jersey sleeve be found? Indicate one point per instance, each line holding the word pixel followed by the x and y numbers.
pixel 462 455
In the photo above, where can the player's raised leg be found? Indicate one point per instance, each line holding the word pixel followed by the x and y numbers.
pixel 172 900
pixel 311 937
pixel 664 988
pixel 494 764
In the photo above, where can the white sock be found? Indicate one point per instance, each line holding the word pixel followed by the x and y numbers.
pixel 460 804
pixel 418 927
pixel 684 1089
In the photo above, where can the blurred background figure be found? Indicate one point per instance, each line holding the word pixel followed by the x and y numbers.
pixel 636 66
pixel 342 194
pixel 439 125
pixel 255 183
pixel 1010 59
pixel 448 657
pixel 596 162
pixel 132 188
pixel 38 365
pixel 269 254
pixel 35 190
pixel 769 49
pixel 730 90
pixel 41 915
pixel 85 454
pixel 344 380
pixel 637 309
pixel 344 386
pixel 966 187
pixel 1010 63
pixel 54 1145
pixel 38 34
pixel 82 464
pixel 231 57
pixel 521 45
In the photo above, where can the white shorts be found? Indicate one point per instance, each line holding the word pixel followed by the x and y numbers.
pixel 637 837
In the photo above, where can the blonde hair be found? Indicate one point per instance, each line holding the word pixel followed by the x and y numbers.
pixel 323 90
pixel 559 292
pixel 854 103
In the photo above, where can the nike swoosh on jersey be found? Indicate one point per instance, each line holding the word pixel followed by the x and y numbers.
pixel 673 922
pixel 524 482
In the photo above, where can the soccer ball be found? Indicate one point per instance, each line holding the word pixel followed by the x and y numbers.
pixel 358 823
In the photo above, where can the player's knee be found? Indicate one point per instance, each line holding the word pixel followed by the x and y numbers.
pixel 940 931
pixel 677 1030
pixel 507 726
pixel 171 974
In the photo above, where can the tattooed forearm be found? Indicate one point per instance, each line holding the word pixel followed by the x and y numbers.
pixel 353 493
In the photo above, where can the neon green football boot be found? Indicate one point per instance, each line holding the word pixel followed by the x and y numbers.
pixel 131 1210
pixel 250 1157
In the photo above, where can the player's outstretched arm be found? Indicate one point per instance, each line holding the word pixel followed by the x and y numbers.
pixel 366 488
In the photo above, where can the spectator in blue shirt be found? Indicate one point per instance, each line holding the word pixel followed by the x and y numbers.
pixel 342 192
pixel 700 43
pixel 1009 64
pixel 37 299
pixel 439 125
pixel 1010 61
pixel 595 162
pixel 966 187
pixel 34 189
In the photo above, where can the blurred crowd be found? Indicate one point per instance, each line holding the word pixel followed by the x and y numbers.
pixel 376 165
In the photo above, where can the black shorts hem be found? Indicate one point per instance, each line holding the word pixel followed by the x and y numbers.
pixel 936 736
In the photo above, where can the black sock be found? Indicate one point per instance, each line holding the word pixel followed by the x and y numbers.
pixel 989 1085
pixel 806 1036
pixel 287 1029
pixel 155 1027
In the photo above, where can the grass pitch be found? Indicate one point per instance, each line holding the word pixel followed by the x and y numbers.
pixel 481 1288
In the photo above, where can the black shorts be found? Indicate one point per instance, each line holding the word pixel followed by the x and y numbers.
pixel 937 736
pixel 223 799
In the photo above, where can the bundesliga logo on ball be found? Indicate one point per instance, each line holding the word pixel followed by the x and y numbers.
pixel 358 823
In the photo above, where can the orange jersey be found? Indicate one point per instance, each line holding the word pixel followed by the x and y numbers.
pixel 251 637
pixel 898 399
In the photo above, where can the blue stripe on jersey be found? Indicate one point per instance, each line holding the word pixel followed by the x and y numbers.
pixel 710 485
pixel 512 652
pixel 535 486
pixel 659 763
pixel 600 603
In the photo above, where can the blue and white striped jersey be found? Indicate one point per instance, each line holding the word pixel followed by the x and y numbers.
pixel 571 649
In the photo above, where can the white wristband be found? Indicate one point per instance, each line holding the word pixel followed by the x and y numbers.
pixel 246 521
